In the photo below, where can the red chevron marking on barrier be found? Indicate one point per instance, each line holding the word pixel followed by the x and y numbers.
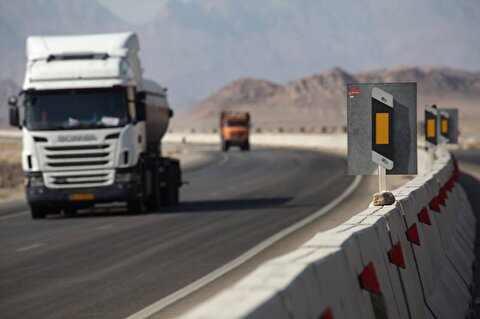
pixel 449 184
pixel 434 204
pixel 423 217
pixel 327 314
pixel 412 235
pixel 395 255
pixel 455 164
pixel 441 198
pixel 456 170
pixel 369 281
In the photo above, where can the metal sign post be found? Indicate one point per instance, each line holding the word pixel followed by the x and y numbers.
pixel 382 179
pixel 431 158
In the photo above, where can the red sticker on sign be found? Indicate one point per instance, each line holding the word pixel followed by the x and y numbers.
pixel 353 91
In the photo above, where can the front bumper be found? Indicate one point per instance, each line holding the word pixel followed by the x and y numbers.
pixel 120 192
pixel 236 140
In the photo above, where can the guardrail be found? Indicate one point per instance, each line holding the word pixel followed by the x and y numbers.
pixel 412 259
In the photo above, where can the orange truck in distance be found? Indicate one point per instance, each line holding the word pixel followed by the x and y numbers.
pixel 235 129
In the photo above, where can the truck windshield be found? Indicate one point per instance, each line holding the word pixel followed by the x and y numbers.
pixel 76 109
pixel 236 123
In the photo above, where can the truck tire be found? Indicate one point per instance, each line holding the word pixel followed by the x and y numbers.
pixel 225 146
pixel 38 212
pixel 246 146
pixel 174 179
pixel 135 207
pixel 170 193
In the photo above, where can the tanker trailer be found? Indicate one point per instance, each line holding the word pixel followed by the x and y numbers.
pixel 92 127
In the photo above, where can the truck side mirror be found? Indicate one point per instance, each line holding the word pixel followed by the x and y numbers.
pixel 170 113
pixel 14 116
pixel 12 101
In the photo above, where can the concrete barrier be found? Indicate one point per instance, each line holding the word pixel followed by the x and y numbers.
pixel 412 259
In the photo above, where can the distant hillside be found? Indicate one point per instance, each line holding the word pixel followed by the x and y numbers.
pixel 320 100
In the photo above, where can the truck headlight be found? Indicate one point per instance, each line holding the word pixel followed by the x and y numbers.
pixel 125 177
pixel 35 181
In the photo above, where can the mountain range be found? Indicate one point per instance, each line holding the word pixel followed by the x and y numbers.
pixel 196 46
pixel 320 100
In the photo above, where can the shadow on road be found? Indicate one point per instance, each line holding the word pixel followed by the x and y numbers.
pixel 226 205
pixel 221 205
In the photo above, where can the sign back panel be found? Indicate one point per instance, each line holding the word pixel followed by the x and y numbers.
pixel 375 127
pixel 452 125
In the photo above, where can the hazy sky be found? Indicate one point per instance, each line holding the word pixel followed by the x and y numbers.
pixel 134 11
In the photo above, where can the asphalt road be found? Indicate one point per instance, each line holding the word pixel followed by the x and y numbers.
pixel 108 264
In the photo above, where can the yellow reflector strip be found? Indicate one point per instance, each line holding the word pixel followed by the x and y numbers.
pixel 444 126
pixel 431 128
pixel 381 128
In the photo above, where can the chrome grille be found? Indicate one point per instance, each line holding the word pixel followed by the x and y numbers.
pixel 78 179
pixel 78 165
pixel 71 157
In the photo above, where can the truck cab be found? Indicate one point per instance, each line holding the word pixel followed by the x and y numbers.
pixel 235 129
pixel 91 126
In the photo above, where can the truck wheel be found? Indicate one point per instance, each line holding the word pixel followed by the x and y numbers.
pixel 246 146
pixel 135 207
pixel 225 146
pixel 38 212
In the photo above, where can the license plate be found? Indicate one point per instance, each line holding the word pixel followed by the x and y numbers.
pixel 85 196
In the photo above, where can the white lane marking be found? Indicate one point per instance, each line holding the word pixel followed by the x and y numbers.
pixel 30 247
pixel 214 275
pixel 104 227
pixel 10 216
pixel 223 161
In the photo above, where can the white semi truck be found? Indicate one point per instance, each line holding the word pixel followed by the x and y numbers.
pixel 92 126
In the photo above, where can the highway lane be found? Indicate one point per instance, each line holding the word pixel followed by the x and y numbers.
pixel 107 264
